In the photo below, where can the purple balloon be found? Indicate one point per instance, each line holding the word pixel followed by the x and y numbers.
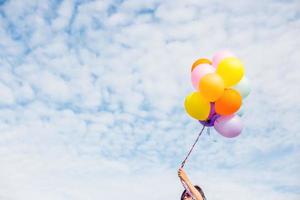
pixel 210 122
pixel 211 117
pixel 229 126
pixel 212 110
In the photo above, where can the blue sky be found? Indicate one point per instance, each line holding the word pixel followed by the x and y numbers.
pixel 91 99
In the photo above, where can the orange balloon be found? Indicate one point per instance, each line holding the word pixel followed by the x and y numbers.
pixel 200 61
pixel 229 102
pixel 211 86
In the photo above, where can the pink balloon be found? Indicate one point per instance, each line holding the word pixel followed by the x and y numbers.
pixel 220 56
pixel 229 126
pixel 199 72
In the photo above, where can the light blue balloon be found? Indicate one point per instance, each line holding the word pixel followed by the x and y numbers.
pixel 243 87
pixel 241 111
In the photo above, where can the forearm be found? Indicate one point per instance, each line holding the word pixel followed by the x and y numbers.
pixel 193 190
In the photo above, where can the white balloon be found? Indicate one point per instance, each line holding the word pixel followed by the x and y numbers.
pixel 243 87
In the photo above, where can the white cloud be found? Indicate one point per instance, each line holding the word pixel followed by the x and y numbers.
pixel 51 86
pixel 64 15
pixel 6 95
pixel 169 13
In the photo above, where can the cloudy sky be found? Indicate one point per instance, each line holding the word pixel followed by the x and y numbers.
pixel 92 92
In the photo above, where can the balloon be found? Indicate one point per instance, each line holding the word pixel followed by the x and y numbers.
pixel 212 110
pixel 219 56
pixel 199 72
pixel 229 126
pixel 229 102
pixel 211 86
pixel 231 70
pixel 211 117
pixel 210 122
pixel 200 61
pixel 243 87
pixel 241 111
pixel 197 106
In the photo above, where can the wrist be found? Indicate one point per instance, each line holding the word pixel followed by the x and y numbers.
pixel 186 179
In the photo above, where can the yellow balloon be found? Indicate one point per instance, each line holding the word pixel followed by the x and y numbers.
pixel 231 70
pixel 197 106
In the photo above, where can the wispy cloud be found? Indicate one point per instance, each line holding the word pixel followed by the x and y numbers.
pixel 91 99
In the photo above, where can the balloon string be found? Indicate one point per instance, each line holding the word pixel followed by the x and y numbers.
pixel 184 161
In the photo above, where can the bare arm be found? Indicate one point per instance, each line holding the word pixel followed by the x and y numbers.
pixel 183 176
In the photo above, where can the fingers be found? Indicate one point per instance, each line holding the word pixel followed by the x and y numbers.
pixel 180 172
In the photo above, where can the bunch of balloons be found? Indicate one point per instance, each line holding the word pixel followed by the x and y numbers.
pixel 220 89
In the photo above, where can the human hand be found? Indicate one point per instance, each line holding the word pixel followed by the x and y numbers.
pixel 182 175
